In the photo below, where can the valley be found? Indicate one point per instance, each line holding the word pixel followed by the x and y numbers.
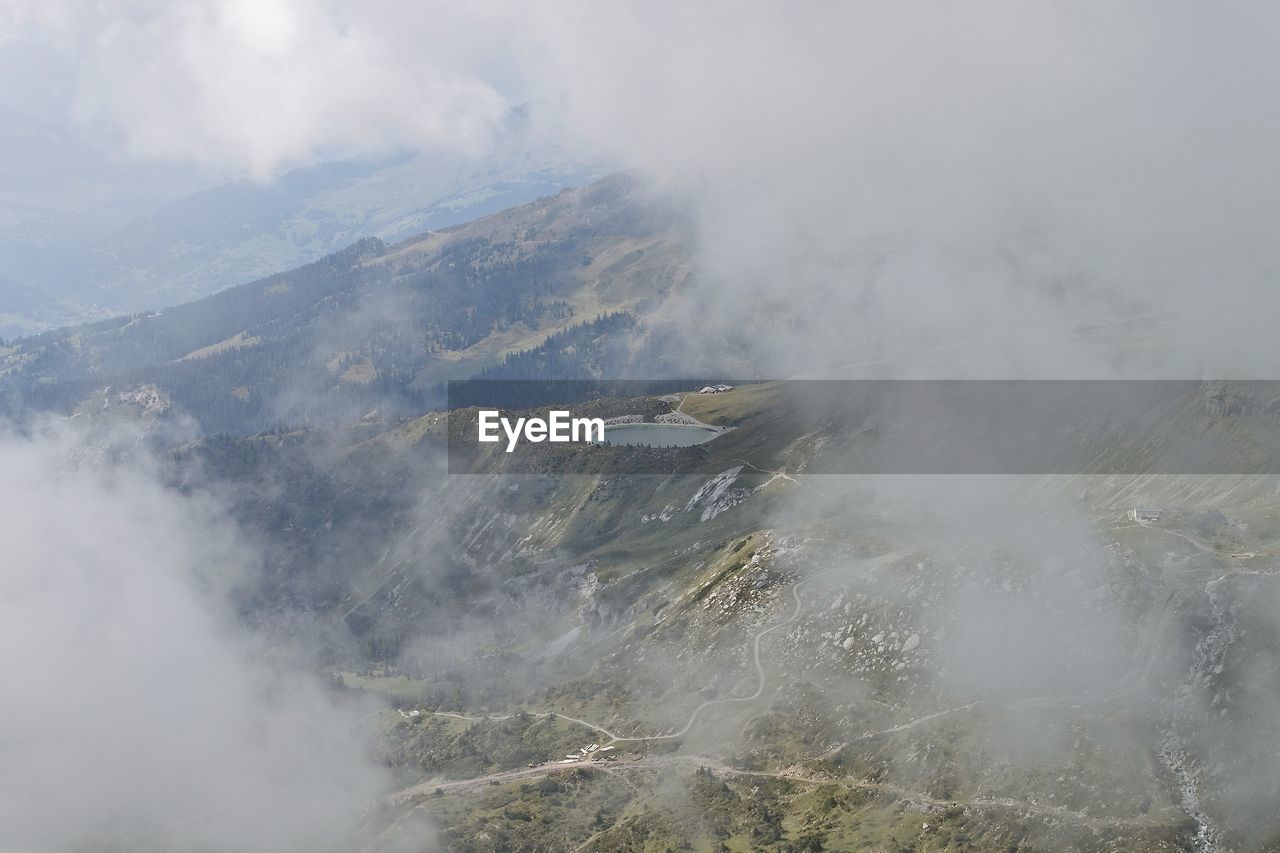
pixel 759 625
pixel 1005 662
pixel 631 427
pixel 770 656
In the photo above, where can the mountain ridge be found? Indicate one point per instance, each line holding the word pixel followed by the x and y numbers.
pixel 375 326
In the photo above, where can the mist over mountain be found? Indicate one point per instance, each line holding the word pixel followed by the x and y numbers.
pixel 378 328
pixel 97 239
pixel 264 588
pixel 239 232
pixel 57 195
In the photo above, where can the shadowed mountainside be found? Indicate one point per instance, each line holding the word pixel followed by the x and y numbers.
pixel 377 327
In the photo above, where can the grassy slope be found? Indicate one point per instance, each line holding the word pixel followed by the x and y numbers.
pixel 681 587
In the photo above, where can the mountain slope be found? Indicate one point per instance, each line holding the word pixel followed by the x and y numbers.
pixel 861 668
pixel 374 326
pixel 778 660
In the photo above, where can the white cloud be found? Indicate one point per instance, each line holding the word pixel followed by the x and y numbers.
pixel 256 86
pixel 965 180
pixel 136 714
pixel 972 177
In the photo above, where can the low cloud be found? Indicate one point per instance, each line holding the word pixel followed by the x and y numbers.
pixel 138 714
pixel 256 87
pixel 959 190
pixel 964 190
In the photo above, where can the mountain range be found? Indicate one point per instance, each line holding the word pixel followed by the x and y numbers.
pixel 714 647
pixel 381 326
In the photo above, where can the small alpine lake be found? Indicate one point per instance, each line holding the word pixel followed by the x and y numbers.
pixel 658 435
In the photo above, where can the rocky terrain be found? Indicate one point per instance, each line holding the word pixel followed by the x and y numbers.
pixel 764 654
pixel 796 662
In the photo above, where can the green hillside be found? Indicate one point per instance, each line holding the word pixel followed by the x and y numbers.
pixel 378 327
pixel 766 653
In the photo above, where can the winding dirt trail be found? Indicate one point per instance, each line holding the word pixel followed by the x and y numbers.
pixel 755 652
pixel 796 589
pixel 661 762
pixel 617 769
pixel 761 675
pixel 781 475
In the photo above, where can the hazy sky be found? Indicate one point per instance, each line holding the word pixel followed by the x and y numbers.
pixel 252 86
pixel 995 171
pixel 260 84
